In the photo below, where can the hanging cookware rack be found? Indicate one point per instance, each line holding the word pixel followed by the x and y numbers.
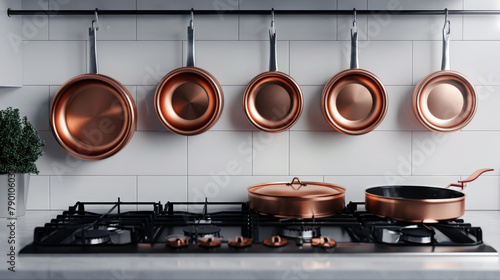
pixel 12 12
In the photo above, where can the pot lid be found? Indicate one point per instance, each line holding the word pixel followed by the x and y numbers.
pixel 296 188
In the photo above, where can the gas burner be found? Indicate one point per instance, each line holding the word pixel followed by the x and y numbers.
pixel 305 233
pixel 202 231
pixel 93 236
pixel 420 234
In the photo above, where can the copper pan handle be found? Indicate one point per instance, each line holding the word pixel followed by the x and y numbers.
pixel 354 43
pixel 463 183
pixel 296 180
pixel 273 58
pixel 93 68
pixel 190 48
pixel 445 63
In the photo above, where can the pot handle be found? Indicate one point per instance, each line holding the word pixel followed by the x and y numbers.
pixel 463 183
pixel 445 63
pixel 273 58
pixel 354 43
pixel 92 45
pixel 296 180
pixel 190 48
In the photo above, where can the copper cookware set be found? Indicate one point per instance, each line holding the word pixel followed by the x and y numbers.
pixel 417 204
pixel 93 116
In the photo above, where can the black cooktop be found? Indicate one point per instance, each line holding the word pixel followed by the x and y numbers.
pixel 231 227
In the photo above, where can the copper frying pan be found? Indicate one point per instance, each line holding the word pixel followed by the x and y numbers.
pixel 354 101
pixel 93 116
pixel 444 101
pixel 189 100
pixel 418 203
pixel 273 101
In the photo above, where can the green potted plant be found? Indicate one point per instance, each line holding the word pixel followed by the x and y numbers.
pixel 20 148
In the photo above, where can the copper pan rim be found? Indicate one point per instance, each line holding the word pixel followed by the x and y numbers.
pixel 354 102
pixel 209 90
pixel 69 124
pixel 426 201
pixel 461 103
pixel 273 119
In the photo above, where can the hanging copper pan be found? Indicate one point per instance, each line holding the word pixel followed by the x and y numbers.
pixel 93 116
pixel 419 204
pixel 189 100
pixel 297 199
pixel 354 101
pixel 273 101
pixel 444 101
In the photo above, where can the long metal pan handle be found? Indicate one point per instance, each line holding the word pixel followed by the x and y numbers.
pixel 354 43
pixel 445 63
pixel 93 68
pixel 273 58
pixel 463 183
pixel 190 54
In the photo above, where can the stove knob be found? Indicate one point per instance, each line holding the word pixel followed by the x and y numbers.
pixel 177 242
pixel 239 242
pixel 275 241
pixel 323 242
pixel 209 241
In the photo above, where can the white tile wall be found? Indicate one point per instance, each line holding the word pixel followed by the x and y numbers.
pixel 158 165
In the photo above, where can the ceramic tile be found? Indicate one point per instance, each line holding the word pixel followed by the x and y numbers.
pixel 38 194
pixel 68 190
pixel 270 153
pixel 215 152
pixel 458 153
pixel 235 63
pixel 148 153
pixel 53 62
pixel 32 102
pixel 207 27
pixel 332 153
pixel 289 27
pixel 142 63
pixel 162 189
pixel 77 27
pixel 288 5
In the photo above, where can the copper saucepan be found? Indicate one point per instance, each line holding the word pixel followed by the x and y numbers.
pixel 419 203
pixel 93 116
pixel 297 199
pixel 444 101
pixel 189 100
pixel 273 101
pixel 354 101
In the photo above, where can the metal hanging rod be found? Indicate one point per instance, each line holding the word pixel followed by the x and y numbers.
pixel 11 12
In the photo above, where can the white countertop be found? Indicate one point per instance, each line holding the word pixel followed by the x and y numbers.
pixel 248 266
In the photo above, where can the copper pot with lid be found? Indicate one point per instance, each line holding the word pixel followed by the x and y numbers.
pixel 297 199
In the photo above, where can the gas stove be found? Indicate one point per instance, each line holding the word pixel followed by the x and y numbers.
pixel 231 227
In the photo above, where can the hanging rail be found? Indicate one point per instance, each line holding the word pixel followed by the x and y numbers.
pixel 11 12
